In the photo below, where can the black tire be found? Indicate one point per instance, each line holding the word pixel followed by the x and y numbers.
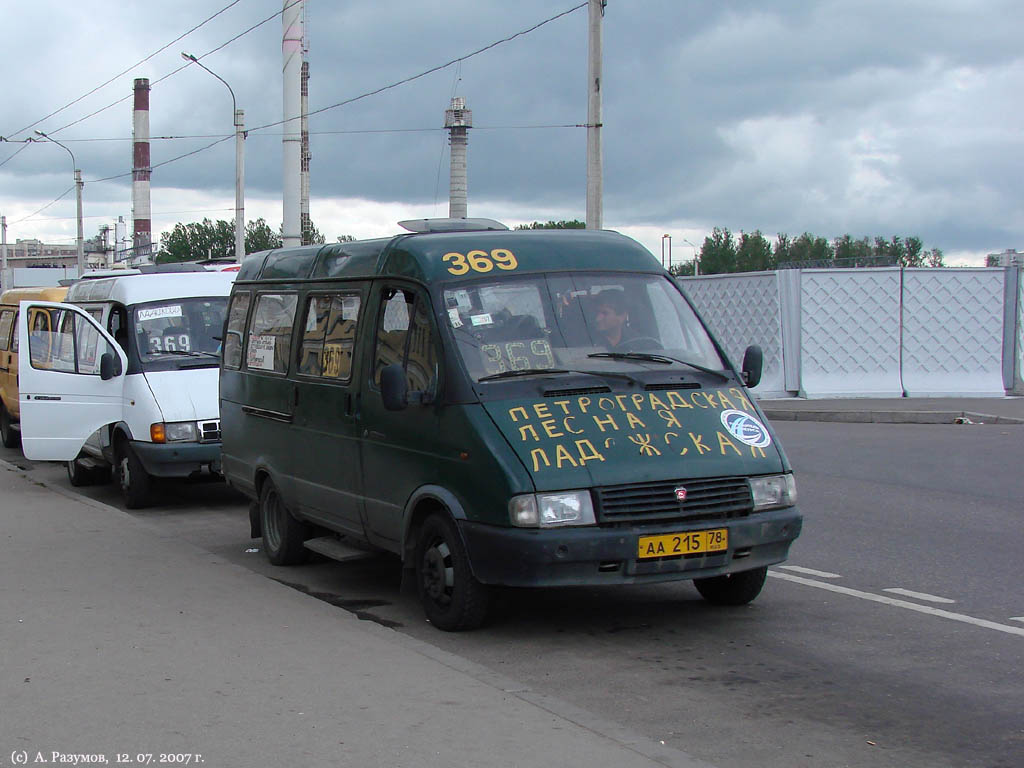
pixel 135 483
pixel 452 598
pixel 283 534
pixel 10 436
pixel 79 475
pixel 733 588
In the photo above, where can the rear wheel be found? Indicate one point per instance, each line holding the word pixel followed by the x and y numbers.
pixel 134 481
pixel 452 598
pixel 283 535
pixel 10 436
pixel 733 588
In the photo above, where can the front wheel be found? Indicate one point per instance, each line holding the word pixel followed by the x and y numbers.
pixel 283 535
pixel 11 438
pixel 452 598
pixel 132 477
pixel 733 588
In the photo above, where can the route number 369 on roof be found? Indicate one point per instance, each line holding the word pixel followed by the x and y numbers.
pixel 480 261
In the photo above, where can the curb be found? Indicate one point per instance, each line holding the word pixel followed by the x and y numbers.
pixel 890 417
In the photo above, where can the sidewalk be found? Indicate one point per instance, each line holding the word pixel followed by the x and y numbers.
pixel 116 638
pixel 917 410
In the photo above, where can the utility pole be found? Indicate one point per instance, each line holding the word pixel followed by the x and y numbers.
pixel 595 163
pixel 78 194
pixel 291 52
pixel 3 253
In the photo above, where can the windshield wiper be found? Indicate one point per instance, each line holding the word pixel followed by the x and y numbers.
pixel 189 352
pixel 649 358
pixel 542 371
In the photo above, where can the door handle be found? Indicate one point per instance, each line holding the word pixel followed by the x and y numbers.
pixel 373 434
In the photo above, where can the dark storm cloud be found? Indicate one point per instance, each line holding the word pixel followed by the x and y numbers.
pixel 833 117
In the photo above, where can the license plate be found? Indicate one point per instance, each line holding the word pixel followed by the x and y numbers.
pixel 689 543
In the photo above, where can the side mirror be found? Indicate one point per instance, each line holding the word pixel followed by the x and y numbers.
pixel 753 362
pixel 394 388
pixel 109 364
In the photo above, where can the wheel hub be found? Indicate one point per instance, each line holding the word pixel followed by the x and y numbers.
pixel 433 573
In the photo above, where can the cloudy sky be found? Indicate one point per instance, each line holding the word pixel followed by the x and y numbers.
pixel 834 117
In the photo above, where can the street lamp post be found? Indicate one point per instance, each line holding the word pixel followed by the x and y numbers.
pixel 696 257
pixel 239 117
pixel 78 194
pixel 668 239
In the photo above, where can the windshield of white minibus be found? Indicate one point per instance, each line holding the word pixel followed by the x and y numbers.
pixel 178 332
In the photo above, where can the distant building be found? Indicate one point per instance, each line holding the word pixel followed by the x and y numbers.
pixel 1008 258
pixel 35 253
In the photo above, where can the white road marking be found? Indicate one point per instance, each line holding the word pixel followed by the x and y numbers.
pixel 1017 618
pixel 900 603
pixel 812 572
pixel 919 595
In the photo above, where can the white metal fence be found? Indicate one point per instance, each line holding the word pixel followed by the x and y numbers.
pixel 884 332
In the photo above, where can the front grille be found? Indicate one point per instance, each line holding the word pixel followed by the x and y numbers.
pixel 209 431
pixel 706 499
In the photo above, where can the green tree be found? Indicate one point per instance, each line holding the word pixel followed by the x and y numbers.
pixel 311 235
pixel 753 253
pixel 198 240
pixel 346 239
pixel 260 237
pixel 811 248
pixel 718 253
pixel 849 252
pixel 574 224
pixel 936 258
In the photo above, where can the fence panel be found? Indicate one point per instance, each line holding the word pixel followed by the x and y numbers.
pixel 743 309
pixel 953 332
pixel 850 333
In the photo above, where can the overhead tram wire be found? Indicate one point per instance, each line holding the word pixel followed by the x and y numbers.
pixel 126 71
pixel 346 101
pixel 183 66
pixel 56 199
pixel 430 71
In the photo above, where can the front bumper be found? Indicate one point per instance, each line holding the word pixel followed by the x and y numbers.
pixel 177 459
pixel 530 557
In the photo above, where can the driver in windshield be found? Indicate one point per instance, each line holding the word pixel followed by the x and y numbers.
pixel 611 318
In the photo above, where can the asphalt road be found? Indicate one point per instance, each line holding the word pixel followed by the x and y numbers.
pixel 893 637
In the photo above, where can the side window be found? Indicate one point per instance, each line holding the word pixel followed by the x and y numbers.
pixel 270 332
pixel 117 325
pixel 73 345
pixel 6 323
pixel 405 335
pixel 329 335
pixel 232 344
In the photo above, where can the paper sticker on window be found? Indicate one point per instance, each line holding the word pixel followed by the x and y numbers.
pixel 261 352
pixel 350 308
pixel 463 301
pixel 155 313
pixel 484 319
pixel 453 315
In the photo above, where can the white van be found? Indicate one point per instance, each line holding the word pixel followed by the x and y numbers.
pixel 158 334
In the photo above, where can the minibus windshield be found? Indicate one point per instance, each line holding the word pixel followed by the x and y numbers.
pixel 178 333
pixel 590 321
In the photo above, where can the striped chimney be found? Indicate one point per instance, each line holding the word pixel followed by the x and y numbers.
pixel 142 228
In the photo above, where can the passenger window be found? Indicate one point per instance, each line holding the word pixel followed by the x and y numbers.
pixel 6 322
pixel 232 344
pixel 405 335
pixel 329 336
pixel 75 347
pixel 270 332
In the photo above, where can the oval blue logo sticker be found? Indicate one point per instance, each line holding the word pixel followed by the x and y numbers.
pixel 746 428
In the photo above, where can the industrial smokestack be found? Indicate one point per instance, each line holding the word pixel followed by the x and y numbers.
pixel 458 120
pixel 142 228
pixel 291 50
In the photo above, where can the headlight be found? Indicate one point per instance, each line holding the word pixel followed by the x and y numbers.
pixel 174 432
pixel 550 510
pixel 773 491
